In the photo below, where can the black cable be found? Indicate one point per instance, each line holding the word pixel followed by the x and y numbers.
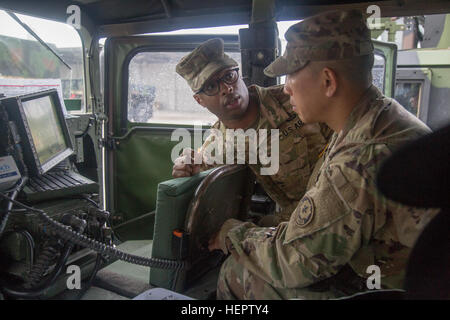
pixel 67 233
pixel 91 201
pixel 97 205
pixel 28 237
pixel 37 288
pixel 31 244
pixel 84 197
pixel 14 211
pixel 44 260
pixel 97 261
pixel 9 190
pixel 96 266
pixel 85 132
pixel 30 241
pixel 4 219
pixel 92 277
pixel 39 291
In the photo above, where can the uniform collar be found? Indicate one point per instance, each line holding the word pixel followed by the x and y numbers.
pixel 360 109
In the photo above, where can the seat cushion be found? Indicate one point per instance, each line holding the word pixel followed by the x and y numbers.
pixel 172 202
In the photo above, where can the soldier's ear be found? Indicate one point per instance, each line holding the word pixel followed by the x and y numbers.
pixel 198 99
pixel 329 81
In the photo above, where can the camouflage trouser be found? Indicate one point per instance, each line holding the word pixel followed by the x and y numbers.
pixel 236 282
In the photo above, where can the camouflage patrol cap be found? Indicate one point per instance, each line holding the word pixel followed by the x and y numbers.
pixel 332 35
pixel 199 65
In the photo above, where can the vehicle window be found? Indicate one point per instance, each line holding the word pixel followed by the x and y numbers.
pixel 26 65
pixel 408 95
pixel 378 71
pixel 157 94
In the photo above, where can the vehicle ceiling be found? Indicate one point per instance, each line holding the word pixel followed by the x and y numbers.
pixel 141 16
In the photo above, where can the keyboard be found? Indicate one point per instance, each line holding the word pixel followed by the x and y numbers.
pixel 58 184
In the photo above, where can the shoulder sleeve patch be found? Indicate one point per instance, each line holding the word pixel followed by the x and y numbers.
pixel 305 213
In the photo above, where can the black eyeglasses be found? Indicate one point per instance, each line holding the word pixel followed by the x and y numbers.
pixel 211 88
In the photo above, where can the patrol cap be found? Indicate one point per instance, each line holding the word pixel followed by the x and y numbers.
pixel 332 35
pixel 199 65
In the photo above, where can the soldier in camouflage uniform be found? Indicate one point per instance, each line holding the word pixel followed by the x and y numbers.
pixel 256 108
pixel 342 225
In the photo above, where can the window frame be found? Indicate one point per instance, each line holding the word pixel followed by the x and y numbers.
pixel 84 109
pixel 422 76
pixel 170 43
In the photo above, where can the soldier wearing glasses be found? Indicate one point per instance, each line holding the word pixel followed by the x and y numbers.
pixel 214 78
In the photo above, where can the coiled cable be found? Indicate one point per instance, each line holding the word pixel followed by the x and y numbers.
pixel 67 233
pixel 98 263
pixel 43 262
pixel 39 291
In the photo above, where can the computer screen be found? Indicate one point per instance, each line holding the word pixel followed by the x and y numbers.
pixel 44 134
pixel 45 127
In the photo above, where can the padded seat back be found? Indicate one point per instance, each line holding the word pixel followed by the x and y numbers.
pixel 197 206
pixel 172 200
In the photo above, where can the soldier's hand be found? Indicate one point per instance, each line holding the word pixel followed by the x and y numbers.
pixel 184 165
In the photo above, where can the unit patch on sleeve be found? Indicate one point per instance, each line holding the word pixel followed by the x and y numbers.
pixel 305 212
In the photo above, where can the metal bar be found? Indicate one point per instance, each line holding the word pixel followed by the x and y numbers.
pixel 174 23
pixel 27 28
pixel 263 11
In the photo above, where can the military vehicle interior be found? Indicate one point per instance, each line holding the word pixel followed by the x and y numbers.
pixel 89 190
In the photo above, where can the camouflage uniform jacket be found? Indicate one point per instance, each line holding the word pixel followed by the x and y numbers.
pixel 342 220
pixel 299 147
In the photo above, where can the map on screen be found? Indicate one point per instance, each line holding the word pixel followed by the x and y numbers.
pixel 45 127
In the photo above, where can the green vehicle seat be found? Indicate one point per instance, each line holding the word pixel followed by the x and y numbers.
pixel 188 212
